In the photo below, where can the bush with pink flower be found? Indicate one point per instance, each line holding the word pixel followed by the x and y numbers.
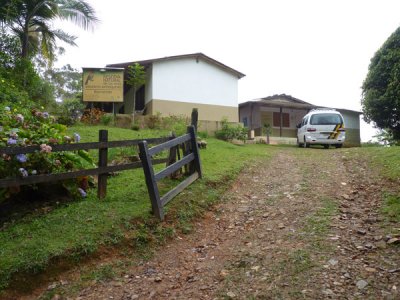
pixel 24 125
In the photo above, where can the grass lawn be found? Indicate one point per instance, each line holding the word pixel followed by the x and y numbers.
pixel 73 230
pixel 388 161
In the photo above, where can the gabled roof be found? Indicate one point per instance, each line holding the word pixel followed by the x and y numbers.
pixel 197 56
pixel 288 101
pixel 281 100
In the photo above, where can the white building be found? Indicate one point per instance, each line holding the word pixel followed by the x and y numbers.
pixel 177 84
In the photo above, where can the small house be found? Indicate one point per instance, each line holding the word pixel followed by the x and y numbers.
pixel 281 114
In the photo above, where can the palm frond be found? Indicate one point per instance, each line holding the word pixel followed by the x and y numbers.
pixel 78 11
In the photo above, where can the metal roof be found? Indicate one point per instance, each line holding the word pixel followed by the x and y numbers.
pixel 197 56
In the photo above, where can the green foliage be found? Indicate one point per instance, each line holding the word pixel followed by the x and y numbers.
pixel 391 207
pixel 30 21
pixel 229 132
pixel 9 92
pixel 23 125
pixel 106 119
pixel 267 128
pixel 202 134
pixel 136 75
pixel 387 159
pixel 102 273
pixel 175 124
pixel 385 137
pixel 67 82
pixel 69 111
pixel 19 81
pixel 381 88
pixel 86 225
pixel 154 121
pixel 136 78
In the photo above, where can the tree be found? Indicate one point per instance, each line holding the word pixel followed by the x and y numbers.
pixel 19 80
pixel 381 88
pixel 136 78
pixel 31 21
pixel 66 80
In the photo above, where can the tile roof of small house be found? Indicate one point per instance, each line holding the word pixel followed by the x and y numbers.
pixel 283 100
pixel 197 56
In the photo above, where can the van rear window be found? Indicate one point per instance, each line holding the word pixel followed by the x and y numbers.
pixel 326 119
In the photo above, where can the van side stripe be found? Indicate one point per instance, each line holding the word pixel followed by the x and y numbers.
pixel 338 132
pixel 332 135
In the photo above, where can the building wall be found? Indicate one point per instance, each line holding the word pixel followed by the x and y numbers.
pixel 352 125
pixel 206 112
pixel 264 115
pixel 193 81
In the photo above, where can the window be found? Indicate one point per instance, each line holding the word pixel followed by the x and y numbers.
pixel 245 122
pixel 277 119
pixel 326 119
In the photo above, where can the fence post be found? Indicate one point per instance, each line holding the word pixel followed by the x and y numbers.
pixel 173 152
pixel 195 150
pixel 194 118
pixel 103 156
pixel 150 181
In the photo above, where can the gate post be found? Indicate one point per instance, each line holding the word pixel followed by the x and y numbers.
pixel 151 183
pixel 195 150
pixel 103 153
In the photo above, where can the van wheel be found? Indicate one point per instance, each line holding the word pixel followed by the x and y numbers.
pixel 326 146
pixel 306 145
pixel 338 145
pixel 298 143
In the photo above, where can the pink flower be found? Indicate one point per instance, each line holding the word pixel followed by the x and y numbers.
pixel 45 148
pixel 20 118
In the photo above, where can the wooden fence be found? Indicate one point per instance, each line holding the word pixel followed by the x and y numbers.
pixel 102 170
pixel 190 160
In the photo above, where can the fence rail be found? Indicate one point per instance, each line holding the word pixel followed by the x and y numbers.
pixel 191 157
pixel 102 170
pixel 190 160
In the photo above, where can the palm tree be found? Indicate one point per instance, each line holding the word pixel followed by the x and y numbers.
pixel 31 21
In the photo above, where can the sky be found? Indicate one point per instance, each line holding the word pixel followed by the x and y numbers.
pixel 315 50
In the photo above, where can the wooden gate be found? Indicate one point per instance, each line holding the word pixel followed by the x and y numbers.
pixel 191 158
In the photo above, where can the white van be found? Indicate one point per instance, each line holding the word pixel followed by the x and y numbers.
pixel 321 127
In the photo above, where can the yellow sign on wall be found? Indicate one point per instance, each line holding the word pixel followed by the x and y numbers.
pixel 103 85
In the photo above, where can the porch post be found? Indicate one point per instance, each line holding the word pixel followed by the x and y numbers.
pixel 281 121
pixel 251 116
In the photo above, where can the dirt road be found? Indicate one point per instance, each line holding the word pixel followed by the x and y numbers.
pixel 304 225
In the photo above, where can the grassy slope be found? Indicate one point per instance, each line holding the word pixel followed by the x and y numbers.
pixel 83 225
pixel 387 160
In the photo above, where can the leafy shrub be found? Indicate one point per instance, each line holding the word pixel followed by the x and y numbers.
pixel 106 119
pixel 202 134
pixel 229 132
pixel 154 121
pixel 135 127
pixel 10 92
pixel 176 124
pixel 24 125
pixel 70 111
